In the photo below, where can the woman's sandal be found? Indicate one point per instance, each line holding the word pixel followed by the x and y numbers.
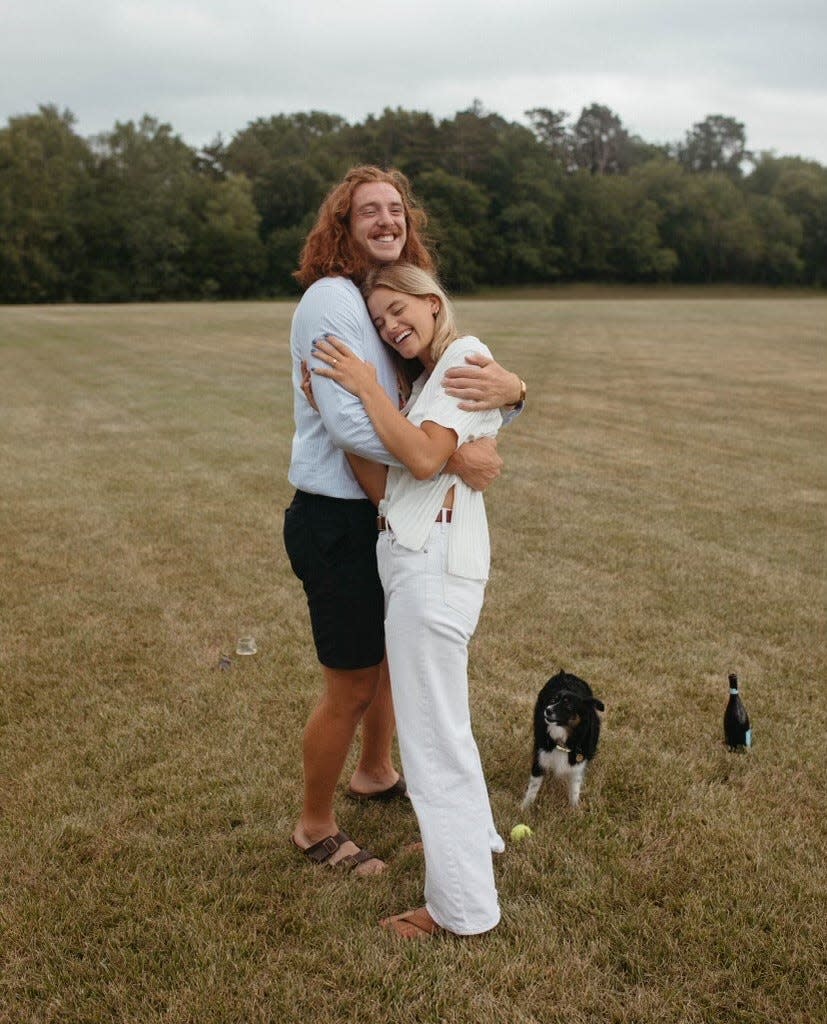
pixel 413 924
pixel 321 852
pixel 384 796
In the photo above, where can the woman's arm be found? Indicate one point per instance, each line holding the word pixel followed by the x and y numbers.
pixel 422 450
pixel 476 463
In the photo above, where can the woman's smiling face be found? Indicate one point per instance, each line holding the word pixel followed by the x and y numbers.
pixel 405 322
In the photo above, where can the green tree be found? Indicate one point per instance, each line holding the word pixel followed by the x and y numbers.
pixel 717 143
pixel 608 229
pixel 406 139
pixel 137 214
pixel 44 173
pixel 803 192
pixel 228 259
pixel 600 141
pixel 526 226
pixel 551 131
pixel 144 217
pixel 284 246
pixel 706 220
pixel 780 235
pixel 499 157
pixel 283 135
pixel 801 188
pixel 458 223
pixel 719 240
pixel 485 149
pixel 291 161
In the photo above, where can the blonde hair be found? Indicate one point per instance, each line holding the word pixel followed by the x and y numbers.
pixel 412 280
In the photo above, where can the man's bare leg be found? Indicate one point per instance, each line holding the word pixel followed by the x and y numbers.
pixel 375 771
pixel 328 736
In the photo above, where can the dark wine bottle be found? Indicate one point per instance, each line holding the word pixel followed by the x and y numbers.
pixel 737 731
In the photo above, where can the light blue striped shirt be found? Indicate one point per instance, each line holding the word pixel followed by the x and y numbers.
pixel 334 305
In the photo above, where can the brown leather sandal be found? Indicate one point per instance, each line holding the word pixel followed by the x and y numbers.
pixel 413 924
pixel 395 792
pixel 321 852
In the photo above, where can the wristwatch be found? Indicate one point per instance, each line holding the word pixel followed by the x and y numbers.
pixel 521 400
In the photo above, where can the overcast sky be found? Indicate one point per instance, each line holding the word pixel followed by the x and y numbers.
pixel 212 66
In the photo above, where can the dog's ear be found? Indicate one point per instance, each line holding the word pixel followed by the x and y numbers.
pixel 583 741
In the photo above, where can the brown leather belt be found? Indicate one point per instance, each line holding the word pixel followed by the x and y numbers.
pixel 443 516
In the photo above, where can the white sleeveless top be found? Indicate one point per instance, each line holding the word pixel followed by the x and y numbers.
pixel 411 505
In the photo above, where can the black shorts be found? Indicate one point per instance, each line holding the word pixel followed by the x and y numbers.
pixel 331 543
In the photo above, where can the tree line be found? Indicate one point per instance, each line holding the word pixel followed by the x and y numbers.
pixel 137 214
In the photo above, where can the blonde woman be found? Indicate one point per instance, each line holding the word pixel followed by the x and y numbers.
pixel 433 556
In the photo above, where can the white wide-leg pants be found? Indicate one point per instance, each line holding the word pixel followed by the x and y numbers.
pixel 429 618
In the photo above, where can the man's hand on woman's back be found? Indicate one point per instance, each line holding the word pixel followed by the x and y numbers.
pixel 482 384
pixel 476 463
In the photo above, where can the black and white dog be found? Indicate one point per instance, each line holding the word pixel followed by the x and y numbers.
pixel 566 731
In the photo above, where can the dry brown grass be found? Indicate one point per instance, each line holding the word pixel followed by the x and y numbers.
pixel 661 522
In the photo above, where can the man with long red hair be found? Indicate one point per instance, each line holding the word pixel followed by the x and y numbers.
pixel 330 532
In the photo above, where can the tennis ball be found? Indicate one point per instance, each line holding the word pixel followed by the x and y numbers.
pixel 520 832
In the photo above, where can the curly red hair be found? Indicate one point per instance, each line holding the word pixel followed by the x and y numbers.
pixel 329 250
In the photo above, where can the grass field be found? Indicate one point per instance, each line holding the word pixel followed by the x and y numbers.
pixel 660 523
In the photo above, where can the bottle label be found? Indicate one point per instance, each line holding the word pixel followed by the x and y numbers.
pixel 734 689
pixel 748 738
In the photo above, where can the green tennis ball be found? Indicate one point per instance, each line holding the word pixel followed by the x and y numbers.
pixel 520 832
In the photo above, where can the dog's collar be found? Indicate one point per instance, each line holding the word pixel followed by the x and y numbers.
pixel 567 750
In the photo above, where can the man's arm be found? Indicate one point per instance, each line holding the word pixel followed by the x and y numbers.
pixel 371 476
pixel 483 384
pixel 343 415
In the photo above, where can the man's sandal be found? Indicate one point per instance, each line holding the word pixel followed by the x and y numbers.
pixel 321 852
pixel 413 924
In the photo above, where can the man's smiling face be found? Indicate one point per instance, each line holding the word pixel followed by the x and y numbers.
pixel 377 221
